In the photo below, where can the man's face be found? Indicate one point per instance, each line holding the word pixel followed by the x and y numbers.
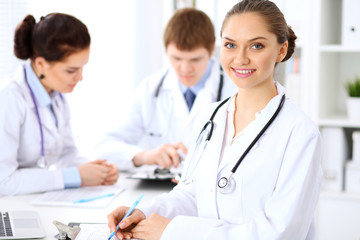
pixel 189 66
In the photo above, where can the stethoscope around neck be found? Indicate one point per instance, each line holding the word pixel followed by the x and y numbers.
pixel 225 184
pixel 157 93
pixel 41 163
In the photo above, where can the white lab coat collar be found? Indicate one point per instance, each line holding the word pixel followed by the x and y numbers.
pixel 19 78
pixel 45 115
pixel 254 128
pixel 41 95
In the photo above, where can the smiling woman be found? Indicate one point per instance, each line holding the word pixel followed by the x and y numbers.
pixel 261 141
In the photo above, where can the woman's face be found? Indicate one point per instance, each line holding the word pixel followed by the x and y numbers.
pixel 63 76
pixel 249 51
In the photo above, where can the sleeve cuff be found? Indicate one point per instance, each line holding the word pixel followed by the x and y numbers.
pixel 71 177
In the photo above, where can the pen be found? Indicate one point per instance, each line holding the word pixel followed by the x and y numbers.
pixel 93 198
pixel 127 214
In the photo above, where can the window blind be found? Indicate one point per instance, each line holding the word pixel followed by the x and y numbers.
pixel 11 13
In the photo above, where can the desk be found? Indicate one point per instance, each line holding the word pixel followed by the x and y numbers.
pixel 133 188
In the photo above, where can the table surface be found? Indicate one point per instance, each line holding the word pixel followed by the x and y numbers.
pixel 133 189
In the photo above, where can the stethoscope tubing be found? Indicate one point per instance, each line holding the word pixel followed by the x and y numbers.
pixel 211 120
pixel 227 184
pixel 223 182
pixel 233 170
pixel 219 93
pixel 37 115
pixel 158 90
pixel 199 139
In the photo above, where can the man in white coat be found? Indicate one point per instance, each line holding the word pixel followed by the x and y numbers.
pixel 166 104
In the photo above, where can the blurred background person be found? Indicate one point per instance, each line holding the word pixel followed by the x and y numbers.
pixel 157 129
pixel 37 149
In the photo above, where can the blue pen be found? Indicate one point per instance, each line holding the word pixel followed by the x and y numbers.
pixel 127 214
pixel 93 198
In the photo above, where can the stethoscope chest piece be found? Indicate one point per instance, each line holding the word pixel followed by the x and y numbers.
pixel 41 162
pixel 226 185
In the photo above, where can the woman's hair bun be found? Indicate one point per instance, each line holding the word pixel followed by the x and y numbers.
pixel 22 39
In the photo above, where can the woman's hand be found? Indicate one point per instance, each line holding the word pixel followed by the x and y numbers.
pixel 150 228
pixel 112 175
pixel 93 173
pixel 98 172
pixel 127 224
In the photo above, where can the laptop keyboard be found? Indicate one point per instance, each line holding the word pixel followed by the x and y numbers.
pixel 5 226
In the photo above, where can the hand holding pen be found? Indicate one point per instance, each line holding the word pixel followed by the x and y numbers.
pixel 122 217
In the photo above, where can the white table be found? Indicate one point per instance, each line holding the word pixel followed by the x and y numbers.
pixel 133 189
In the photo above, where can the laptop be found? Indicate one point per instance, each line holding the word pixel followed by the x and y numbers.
pixel 20 225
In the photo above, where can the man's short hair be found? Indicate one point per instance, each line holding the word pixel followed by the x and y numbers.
pixel 188 29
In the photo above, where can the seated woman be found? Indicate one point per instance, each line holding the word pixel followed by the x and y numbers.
pixel 37 149
pixel 259 176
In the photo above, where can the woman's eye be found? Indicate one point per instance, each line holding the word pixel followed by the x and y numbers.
pixel 257 46
pixel 229 45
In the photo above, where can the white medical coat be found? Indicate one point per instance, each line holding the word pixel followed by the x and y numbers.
pixel 155 121
pixel 277 184
pixel 20 141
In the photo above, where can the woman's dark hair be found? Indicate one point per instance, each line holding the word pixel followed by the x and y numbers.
pixel 54 37
pixel 272 15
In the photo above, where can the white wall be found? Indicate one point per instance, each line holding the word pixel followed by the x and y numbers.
pixel 11 12
pixel 126 46
pixel 107 78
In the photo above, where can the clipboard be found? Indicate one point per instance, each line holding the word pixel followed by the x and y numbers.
pixel 159 174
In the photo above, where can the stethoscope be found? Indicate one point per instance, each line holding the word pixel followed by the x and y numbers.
pixel 226 184
pixel 41 162
pixel 157 92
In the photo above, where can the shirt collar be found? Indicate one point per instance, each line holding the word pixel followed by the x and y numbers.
pixel 42 97
pixel 201 83
pixel 231 106
pixel 272 102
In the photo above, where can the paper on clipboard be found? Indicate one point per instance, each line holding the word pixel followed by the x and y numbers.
pixel 68 196
pixel 94 231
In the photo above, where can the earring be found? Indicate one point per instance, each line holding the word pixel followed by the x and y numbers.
pixel 41 76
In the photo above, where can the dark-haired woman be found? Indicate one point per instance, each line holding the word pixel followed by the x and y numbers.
pixel 259 176
pixel 37 149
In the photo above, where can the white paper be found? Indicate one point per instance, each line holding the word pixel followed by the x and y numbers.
pixel 94 232
pixel 68 196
